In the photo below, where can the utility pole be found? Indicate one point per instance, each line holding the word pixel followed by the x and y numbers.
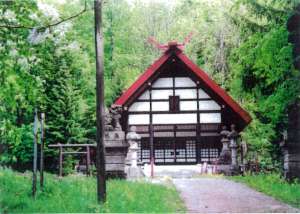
pixel 35 133
pixel 100 113
pixel 42 150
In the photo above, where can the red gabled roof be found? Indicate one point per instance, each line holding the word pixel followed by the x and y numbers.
pixel 142 79
pixel 216 88
pixel 173 49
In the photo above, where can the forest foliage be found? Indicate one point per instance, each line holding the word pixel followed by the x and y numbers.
pixel 242 44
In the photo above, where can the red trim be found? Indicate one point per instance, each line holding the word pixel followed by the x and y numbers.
pixel 194 68
pixel 215 87
pixel 142 79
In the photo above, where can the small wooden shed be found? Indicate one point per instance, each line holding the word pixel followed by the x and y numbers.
pixel 178 110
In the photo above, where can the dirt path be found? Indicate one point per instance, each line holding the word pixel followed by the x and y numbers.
pixel 216 195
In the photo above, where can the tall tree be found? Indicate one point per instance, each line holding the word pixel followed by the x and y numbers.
pixel 262 75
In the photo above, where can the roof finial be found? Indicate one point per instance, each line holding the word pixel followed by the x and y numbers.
pixel 170 44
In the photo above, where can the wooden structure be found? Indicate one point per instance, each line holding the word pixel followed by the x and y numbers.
pixel 178 110
pixel 116 150
pixel 85 149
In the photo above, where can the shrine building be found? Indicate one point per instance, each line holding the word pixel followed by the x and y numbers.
pixel 178 110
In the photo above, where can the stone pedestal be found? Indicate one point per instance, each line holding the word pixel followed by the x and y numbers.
pixel 291 144
pixel 115 152
pixel 224 160
pixel 233 136
pixel 132 170
pixel 115 143
pixel 291 162
pixel 234 167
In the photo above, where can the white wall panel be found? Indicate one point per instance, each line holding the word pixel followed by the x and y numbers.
pixel 184 82
pixel 164 82
pixel 210 117
pixel 174 118
pixel 134 119
pixel 188 105
pixel 160 106
pixel 145 96
pixel 186 93
pixel 203 94
pixel 161 94
pixel 208 105
pixel 140 106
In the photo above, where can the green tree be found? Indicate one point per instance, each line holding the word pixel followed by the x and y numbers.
pixel 263 78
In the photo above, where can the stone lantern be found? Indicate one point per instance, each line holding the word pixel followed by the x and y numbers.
pixel 225 156
pixel 224 161
pixel 233 136
pixel 132 170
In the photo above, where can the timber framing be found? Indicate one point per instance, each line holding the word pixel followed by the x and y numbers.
pixel 178 110
pixel 174 54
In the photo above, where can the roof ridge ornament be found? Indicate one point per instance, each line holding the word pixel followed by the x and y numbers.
pixel 172 44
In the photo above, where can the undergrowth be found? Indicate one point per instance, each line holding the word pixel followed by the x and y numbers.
pixel 78 194
pixel 273 185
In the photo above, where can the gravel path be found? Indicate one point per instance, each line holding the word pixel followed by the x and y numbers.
pixel 217 195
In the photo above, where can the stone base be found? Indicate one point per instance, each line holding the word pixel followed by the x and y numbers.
pixel 292 163
pixel 234 170
pixel 134 173
pixel 223 169
pixel 292 145
pixel 225 157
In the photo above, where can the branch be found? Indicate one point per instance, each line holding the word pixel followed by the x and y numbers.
pixel 49 25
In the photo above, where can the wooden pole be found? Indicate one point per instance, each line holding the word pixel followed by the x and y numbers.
pixel 151 134
pixel 60 161
pixel 100 163
pixel 88 160
pixel 42 151
pixel 151 151
pixel 35 130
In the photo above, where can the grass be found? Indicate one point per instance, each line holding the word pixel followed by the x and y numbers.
pixel 273 185
pixel 78 194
